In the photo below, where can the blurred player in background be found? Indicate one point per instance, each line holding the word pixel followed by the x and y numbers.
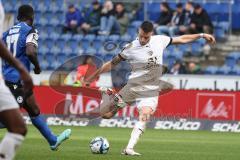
pixel 22 41
pixel 10 115
pixel 145 55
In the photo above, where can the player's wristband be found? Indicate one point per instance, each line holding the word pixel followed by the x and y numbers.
pixel 202 35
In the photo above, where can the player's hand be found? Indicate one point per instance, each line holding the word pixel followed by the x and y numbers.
pixel 210 39
pixel 27 80
pixel 37 70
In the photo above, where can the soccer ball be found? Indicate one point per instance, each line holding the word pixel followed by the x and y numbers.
pixel 99 145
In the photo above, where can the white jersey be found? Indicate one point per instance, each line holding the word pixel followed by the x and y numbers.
pixel 7 101
pixel 2 15
pixel 146 61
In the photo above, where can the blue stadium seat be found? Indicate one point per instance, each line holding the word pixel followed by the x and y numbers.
pixel 71 55
pixel 43 21
pixel 78 50
pixel 125 38
pixel 90 51
pixel 49 43
pixel 132 31
pixel 212 7
pixel 101 38
pixel 219 33
pixel 46 3
pixel 55 50
pixel 211 70
pixel 59 15
pixel 37 16
pixel 235 70
pixel 136 24
pixel 67 50
pixel 108 57
pixel 44 65
pixel 178 55
pixel 66 36
pixel 224 70
pixel 224 25
pixel 97 44
pixel 114 38
pixel 232 59
pixel 48 15
pixel 50 57
pixel 170 61
pixel 185 48
pixel 61 43
pixel 54 22
pixel 73 44
pixel 43 49
pixel 61 58
pixel 55 36
pixel 43 35
pixel 77 37
pixel 85 44
pixel 197 49
pixel 49 29
pixel 59 3
pixel 89 37
pixel 223 8
pixel 40 57
pixel 153 11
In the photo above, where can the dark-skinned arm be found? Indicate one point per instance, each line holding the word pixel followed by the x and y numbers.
pixel 7 56
pixel 31 51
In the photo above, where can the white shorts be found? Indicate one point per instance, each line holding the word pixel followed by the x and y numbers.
pixel 139 98
pixel 7 101
pixel 151 102
pixel 142 95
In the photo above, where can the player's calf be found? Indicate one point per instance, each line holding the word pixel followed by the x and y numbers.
pixel 14 122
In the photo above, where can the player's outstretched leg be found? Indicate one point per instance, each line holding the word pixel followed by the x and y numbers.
pixel 138 130
pixel 40 123
pixel 17 130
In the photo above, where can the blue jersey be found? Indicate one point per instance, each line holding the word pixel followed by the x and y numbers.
pixel 16 39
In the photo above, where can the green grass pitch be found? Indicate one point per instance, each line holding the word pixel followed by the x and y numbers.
pixel 154 145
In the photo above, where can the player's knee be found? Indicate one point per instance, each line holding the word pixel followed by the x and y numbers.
pixel 32 110
pixel 168 87
pixel 107 115
pixel 145 114
pixel 19 129
pixel 145 117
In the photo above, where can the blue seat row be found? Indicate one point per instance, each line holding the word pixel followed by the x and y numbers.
pixel 224 70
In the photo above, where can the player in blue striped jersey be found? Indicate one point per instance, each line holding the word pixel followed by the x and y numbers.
pixel 22 41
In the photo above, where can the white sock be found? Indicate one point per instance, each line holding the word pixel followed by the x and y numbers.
pixel 136 133
pixel 9 145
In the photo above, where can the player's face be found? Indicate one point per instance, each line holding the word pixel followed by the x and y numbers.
pixel 143 37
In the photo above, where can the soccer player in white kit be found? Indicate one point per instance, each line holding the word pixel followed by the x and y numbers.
pixel 145 55
pixel 10 115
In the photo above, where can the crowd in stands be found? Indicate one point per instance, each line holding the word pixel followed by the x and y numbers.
pixel 182 68
pixel 113 18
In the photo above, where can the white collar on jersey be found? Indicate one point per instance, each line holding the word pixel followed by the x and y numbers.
pixel 139 45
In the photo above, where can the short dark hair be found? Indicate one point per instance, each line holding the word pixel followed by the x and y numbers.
pixel 147 26
pixel 25 12
pixel 190 2
pixel 179 5
pixel 119 3
pixel 197 6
